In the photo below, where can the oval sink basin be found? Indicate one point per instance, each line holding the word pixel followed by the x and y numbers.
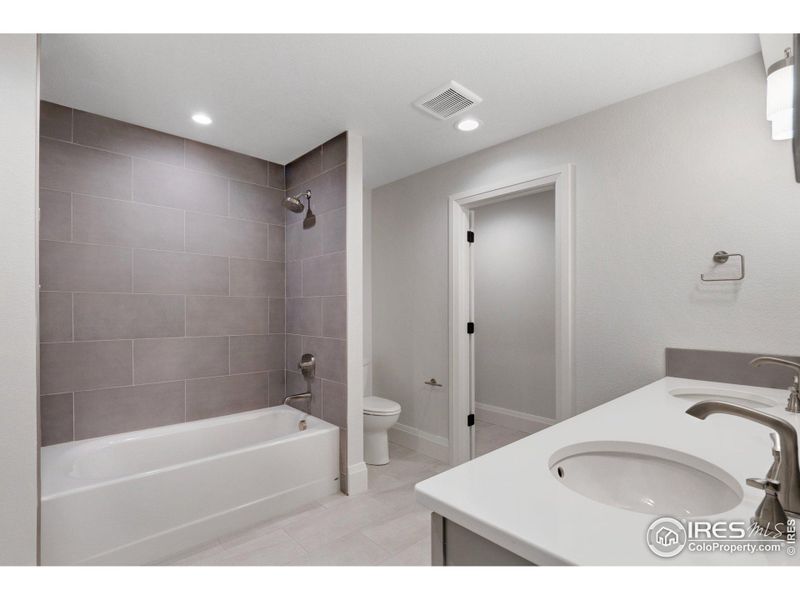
pixel 645 479
pixel 697 394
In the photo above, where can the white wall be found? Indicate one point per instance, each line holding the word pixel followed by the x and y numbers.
pixel 368 291
pixel 515 304
pixel 19 122
pixel 409 302
pixel 663 181
pixel 356 480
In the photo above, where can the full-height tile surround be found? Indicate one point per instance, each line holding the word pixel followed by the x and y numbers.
pixel 162 278
pixel 316 301
pixel 165 269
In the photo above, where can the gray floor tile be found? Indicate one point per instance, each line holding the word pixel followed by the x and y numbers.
pixel 384 525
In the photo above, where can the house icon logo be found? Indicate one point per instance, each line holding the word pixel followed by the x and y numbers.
pixel 666 537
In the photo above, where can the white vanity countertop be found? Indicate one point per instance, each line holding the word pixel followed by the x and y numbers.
pixel 510 497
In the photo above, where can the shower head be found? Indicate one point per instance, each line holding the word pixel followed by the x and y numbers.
pixel 294 204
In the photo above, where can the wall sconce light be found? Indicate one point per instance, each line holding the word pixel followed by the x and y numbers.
pixel 780 96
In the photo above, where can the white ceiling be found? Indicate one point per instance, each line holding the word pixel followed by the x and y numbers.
pixel 276 96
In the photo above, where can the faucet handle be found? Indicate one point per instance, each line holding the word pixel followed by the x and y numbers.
pixel 770 486
pixel 770 516
pixel 793 404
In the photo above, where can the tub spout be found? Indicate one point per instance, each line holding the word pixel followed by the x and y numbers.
pixel 304 397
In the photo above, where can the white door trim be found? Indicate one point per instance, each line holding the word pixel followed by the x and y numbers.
pixel 562 179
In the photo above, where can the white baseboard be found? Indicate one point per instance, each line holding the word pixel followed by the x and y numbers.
pixel 420 441
pixel 512 419
pixel 356 478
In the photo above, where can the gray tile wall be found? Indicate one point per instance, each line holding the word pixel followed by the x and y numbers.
pixel 162 278
pixel 316 300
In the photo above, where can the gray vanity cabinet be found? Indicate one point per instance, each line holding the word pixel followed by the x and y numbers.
pixel 455 546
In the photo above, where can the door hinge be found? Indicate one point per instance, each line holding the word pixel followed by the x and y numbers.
pixel 470 420
pixel 470 237
pixel 470 328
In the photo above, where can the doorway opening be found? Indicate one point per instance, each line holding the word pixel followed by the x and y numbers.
pixel 511 297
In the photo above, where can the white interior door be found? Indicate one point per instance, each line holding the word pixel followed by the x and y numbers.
pixel 461 300
pixel 471 269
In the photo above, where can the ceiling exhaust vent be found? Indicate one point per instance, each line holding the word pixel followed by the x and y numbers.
pixel 448 101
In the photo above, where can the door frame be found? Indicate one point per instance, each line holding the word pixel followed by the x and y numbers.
pixel 562 180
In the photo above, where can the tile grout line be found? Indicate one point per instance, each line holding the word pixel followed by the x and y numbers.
pixel 132 177
pixel 72 309
pixel 133 367
pixel 134 157
pixel 154 383
pixel 118 293
pixel 186 337
pixel 182 252
pixel 322 171
pixel 169 207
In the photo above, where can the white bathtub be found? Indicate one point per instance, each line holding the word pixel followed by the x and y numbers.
pixel 138 497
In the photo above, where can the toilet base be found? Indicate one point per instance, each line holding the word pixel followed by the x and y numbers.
pixel 376 448
pixel 376 437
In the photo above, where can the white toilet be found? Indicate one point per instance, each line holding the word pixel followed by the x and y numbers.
pixel 379 415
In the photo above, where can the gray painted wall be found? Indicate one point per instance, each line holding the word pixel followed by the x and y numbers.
pixel 663 181
pixel 514 275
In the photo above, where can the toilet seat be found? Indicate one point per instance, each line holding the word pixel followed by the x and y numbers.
pixel 375 405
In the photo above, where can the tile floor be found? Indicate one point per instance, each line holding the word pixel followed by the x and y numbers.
pixel 383 526
pixel 489 437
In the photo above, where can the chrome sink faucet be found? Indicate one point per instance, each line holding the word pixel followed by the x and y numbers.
pixel 793 404
pixel 787 473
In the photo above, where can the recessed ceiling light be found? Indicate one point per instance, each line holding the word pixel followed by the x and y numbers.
pixel 468 124
pixel 202 119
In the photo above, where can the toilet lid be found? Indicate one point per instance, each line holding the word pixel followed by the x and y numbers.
pixel 375 405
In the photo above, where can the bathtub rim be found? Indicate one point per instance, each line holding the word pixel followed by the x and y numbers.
pixel 316 427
